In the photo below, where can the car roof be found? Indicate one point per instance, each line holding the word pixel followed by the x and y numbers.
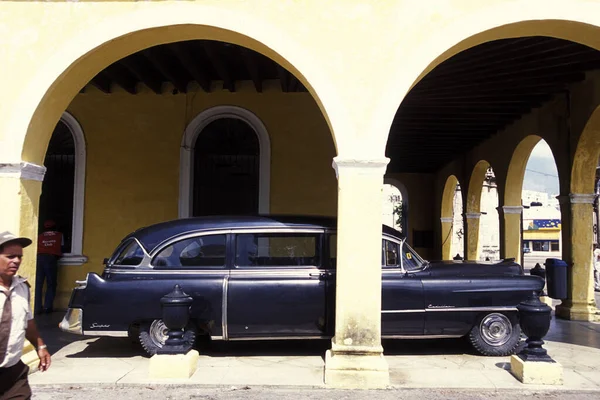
pixel 151 236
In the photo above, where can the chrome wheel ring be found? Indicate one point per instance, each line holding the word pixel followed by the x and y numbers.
pixel 496 329
pixel 158 332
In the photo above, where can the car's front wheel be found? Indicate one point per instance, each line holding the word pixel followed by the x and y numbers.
pixel 153 335
pixel 496 334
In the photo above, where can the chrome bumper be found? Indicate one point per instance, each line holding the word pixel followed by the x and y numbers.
pixel 72 322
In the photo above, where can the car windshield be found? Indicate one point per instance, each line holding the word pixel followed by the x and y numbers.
pixel 411 261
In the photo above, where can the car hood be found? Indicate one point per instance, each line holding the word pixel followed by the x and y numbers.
pixel 472 268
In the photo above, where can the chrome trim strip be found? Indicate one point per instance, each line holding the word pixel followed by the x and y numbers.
pixel 455 309
pixel 279 271
pixel 420 336
pixel 216 338
pixel 224 307
pixel 402 311
pixel 500 308
pixel 106 333
pixel 279 338
pixel 277 230
pixel 144 271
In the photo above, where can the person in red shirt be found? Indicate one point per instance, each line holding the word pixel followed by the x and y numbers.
pixel 50 243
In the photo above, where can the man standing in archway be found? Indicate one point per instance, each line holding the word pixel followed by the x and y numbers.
pixel 50 243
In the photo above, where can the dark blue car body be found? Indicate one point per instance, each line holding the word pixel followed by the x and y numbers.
pixel 274 278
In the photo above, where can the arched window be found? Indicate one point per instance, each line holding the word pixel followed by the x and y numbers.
pixel 225 164
pixel 63 188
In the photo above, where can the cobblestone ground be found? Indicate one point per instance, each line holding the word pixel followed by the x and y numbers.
pixel 166 392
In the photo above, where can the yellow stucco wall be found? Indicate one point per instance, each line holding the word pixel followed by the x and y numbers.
pixel 546 234
pixel 133 159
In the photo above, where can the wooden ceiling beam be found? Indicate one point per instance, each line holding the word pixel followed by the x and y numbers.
pixel 219 65
pixel 143 73
pixel 101 82
pixel 119 75
pixel 251 64
pixel 161 62
pixel 284 78
pixel 192 66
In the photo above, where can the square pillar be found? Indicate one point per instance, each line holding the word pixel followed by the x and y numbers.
pixel 447 225
pixel 512 232
pixel 472 242
pixel 356 356
pixel 580 304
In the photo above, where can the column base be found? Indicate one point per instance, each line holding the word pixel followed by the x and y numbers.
pixel 536 372
pixel 356 371
pixel 576 311
pixel 174 366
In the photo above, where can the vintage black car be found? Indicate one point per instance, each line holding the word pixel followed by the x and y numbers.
pixel 274 278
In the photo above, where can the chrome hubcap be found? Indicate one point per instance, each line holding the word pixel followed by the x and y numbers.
pixel 158 332
pixel 495 329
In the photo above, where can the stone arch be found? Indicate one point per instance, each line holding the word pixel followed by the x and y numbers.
pixel 405 202
pixel 579 24
pixel 516 170
pixel 188 143
pixel 586 156
pixel 75 63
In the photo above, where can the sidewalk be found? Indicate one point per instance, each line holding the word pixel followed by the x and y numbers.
pixel 447 363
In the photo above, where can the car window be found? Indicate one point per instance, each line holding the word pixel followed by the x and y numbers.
pixel 332 250
pixel 276 249
pixel 411 261
pixel 129 254
pixel 390 254
pixel 198 251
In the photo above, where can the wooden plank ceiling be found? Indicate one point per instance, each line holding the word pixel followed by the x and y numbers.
pixel 477 93
pixel 203 61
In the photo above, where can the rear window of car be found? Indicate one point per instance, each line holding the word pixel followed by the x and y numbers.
pixel 276 249
pixel 130 254
pixel 195 252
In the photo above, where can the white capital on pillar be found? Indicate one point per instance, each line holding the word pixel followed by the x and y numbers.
pixel 512 209
pixel 582 198
pixel 446 219
pixel 473 215
pixel 23 170
pixel 374 166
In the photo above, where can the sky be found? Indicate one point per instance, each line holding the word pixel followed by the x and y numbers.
pixel 541 173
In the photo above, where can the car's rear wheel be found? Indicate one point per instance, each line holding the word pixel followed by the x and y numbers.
pixel 495 334
pixel 153 335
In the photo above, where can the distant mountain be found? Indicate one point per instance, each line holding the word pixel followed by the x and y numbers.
pixel 541 175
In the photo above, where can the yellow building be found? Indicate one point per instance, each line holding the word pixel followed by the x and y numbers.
pixel 133 96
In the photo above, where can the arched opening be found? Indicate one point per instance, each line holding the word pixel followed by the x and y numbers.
pixel 63 188
pixel 541 211
pixel 395 206
pixel 233 143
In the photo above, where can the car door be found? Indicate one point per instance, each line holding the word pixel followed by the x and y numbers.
pixel 402 306
pixel 276 288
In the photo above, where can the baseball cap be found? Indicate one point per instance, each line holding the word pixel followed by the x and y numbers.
pixel 6 237
pixel 49 223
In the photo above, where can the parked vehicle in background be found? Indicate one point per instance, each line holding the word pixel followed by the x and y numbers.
pixel 270 277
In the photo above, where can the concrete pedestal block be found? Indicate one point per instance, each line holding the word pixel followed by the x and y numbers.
pixel 536 372
pixel 352 371
pixel 180 366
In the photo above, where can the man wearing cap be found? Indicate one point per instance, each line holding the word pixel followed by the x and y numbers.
pixel 50 243
pixel 16 321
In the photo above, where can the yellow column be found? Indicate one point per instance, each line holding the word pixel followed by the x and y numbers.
pixel 20 186
pixel 356 356
pixel 512 232
pixel 472 242
pixel 580 304
pixel 447 237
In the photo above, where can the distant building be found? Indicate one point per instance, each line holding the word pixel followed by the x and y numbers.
pixel 541 230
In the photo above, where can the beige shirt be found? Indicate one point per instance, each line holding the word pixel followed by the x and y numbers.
pixel 21 314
